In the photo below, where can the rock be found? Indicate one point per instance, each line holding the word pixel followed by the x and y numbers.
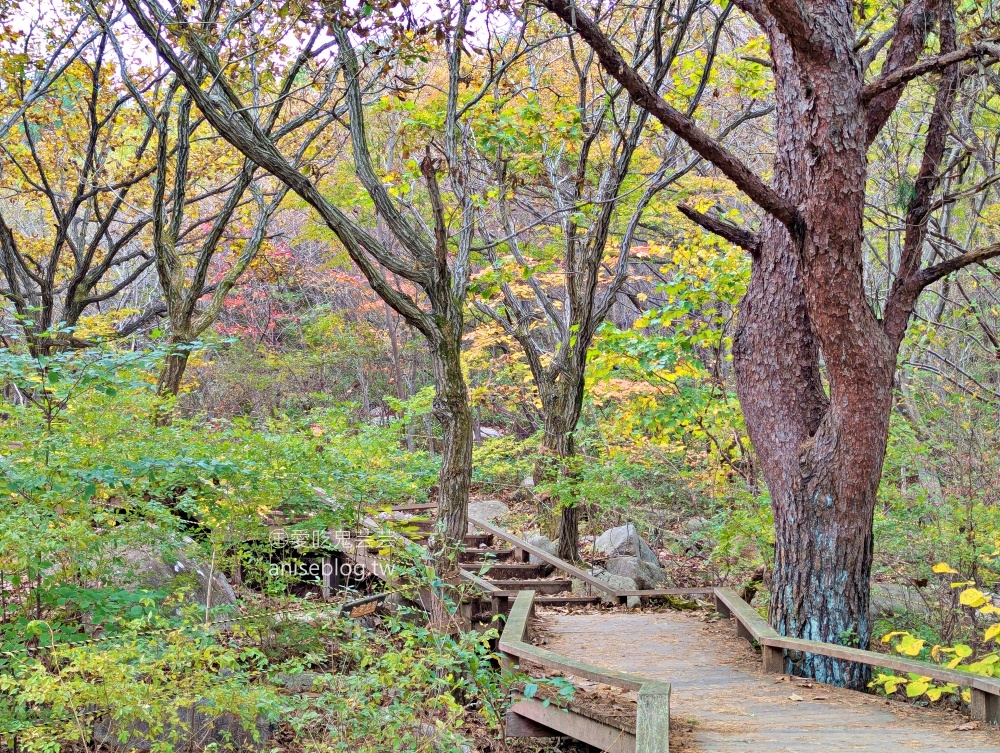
pixel 199 731
pixel 528 483
pixel 488 509
pixel 160 571
pixel 624 541
pixel 545 544
pixel 488 432
pixel 615 582
pixel 889 599
pixel 297 682
pixel 646 575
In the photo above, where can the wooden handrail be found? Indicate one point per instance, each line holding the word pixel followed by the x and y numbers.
pixel 544 556
pixel 985 691
pixel 652 723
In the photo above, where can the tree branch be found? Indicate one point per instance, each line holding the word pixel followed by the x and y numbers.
pixel 736 235
pixel 646 97
pixel 929 65
pixel 914 24
pixel 931 275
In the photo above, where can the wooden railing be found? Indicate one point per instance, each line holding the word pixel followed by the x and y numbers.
pixel 985 691
pixel 529 717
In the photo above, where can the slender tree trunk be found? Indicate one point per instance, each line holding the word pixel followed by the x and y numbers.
pixel 562 400
pixel 451 409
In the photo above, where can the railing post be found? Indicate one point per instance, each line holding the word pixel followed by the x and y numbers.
pixel 774 660
pixel 652 719
pixel 985 707
pixel 721 608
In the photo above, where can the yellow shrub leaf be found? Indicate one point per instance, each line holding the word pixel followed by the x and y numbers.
pixel 943 567
pixel 973 597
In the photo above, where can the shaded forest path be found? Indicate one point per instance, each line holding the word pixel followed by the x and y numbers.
pixel 721 701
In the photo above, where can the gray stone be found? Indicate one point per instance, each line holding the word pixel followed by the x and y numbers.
pixel 625 541
pixel 889 599
pixel 197 729
pixel 545 544
pixel 488 509
pixel 298 682
pixel 157 570
pixel 645 574
pixel 615 582
pixel 528 483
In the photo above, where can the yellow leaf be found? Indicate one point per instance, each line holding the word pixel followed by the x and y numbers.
pixel 943 567
pixel 992 632
pixel 914 689
pixel 973 597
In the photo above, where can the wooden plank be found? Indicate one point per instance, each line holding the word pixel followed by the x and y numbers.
pixel 602 736
pixel 544 556
pixel 984 707
pixel 511 587
pixel 416 508
pixel 522 726
pixel 652 720
pixel 988 685
pixel 749 624
pixel 653 592
pixel 483 584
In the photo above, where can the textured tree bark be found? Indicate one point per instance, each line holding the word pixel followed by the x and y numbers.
pixel 562 400
pixel 820 445
pixel 172 373
pixel 451 409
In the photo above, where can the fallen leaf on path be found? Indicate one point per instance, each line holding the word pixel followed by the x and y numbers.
pixel 820 698
pixel 783 678
pixel 967 727
pixel 795 697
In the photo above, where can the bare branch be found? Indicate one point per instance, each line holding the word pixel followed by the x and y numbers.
pixel 984 50
pixel 646 97
pixel 736 235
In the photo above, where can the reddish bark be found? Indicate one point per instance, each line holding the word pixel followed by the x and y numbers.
pixel 821 457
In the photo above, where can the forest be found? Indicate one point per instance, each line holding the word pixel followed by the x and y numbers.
pixel 331 331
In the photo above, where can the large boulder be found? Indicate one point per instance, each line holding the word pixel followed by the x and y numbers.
pixel 625 541
pixel 169 569
pixel 645 574
pixel 890 600
pixel 544 543
pixel 196 730
pixel 488 509
pixel 615 582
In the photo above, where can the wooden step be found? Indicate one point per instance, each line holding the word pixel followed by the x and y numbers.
pixel 555 586
pixel 473 540
pixel 486 555
pixel 415 508
pixel 504 603
pixel 505 570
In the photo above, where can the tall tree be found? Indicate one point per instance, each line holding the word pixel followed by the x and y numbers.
pixel 70 232
pixel 813 360
pixel 572 184
pixel 425 252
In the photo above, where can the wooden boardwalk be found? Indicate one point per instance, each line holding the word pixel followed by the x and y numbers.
pixel 722 702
